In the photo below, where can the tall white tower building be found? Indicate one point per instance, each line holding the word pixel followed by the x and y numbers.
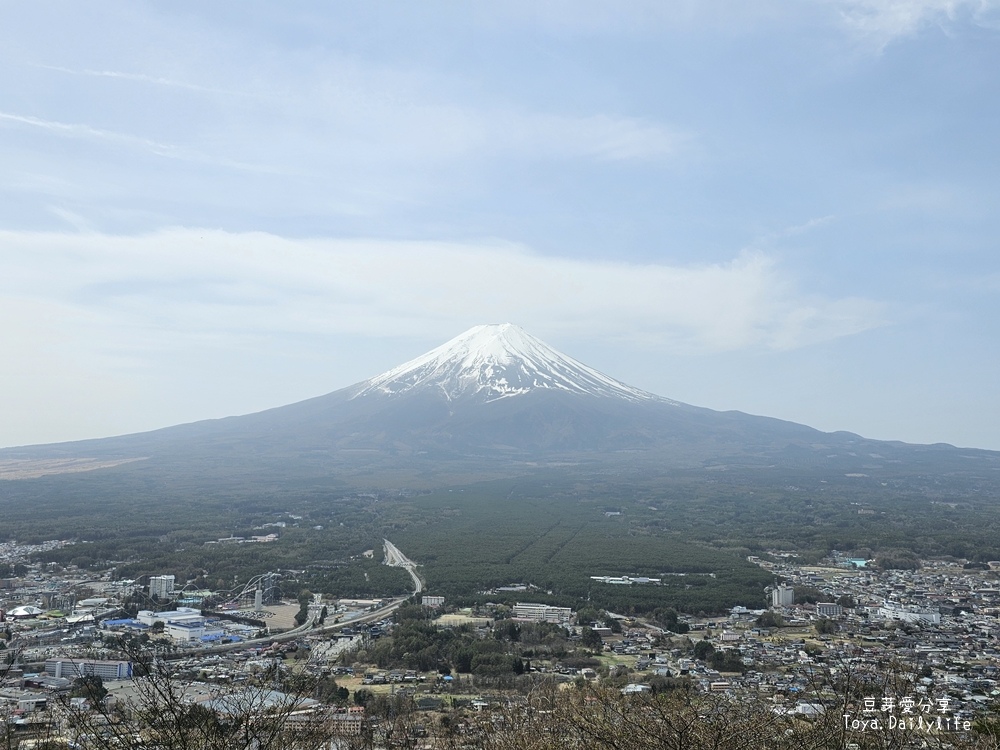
pixel 782 596
pixel 162 587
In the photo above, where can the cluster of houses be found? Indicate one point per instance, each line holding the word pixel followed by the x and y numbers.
pixel 941 623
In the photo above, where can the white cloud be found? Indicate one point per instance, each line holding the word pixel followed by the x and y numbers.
pixel 886 20
pixel 160 290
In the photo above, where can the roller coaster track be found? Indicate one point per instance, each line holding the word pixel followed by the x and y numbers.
pixel 393 557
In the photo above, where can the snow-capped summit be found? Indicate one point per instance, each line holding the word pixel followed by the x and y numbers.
pixel 491 362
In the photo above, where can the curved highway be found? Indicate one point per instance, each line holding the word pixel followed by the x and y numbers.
pixel 396 559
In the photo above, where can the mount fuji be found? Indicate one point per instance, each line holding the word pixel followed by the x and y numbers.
pixel 492 400
pixel 491 362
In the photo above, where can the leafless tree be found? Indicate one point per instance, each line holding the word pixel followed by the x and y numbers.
pixel 159 711
pixel 275 711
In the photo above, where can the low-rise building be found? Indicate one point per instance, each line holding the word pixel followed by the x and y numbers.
pixel 542 613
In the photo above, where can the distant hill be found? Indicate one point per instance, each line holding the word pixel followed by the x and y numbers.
pixel 494 400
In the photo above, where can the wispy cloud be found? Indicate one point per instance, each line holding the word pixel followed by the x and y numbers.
pixel 636 16
pixel 195 283
pixel 142 78
pixel 606 138
pixel 375 109
pixel 75 220
pixel 159 148
pixel 602 138
pixel 883 21
pixel 78 130
pixel 795 230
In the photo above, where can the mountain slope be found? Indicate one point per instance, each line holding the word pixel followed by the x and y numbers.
pixel 496 398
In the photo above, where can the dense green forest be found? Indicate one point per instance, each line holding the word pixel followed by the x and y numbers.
pixel 551 529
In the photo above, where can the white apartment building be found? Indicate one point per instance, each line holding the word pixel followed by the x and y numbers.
pixel 73 668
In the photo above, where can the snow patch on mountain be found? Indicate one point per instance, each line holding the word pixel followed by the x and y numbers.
pixel 491 362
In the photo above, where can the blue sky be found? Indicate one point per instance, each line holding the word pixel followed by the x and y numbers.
pixel 786 207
